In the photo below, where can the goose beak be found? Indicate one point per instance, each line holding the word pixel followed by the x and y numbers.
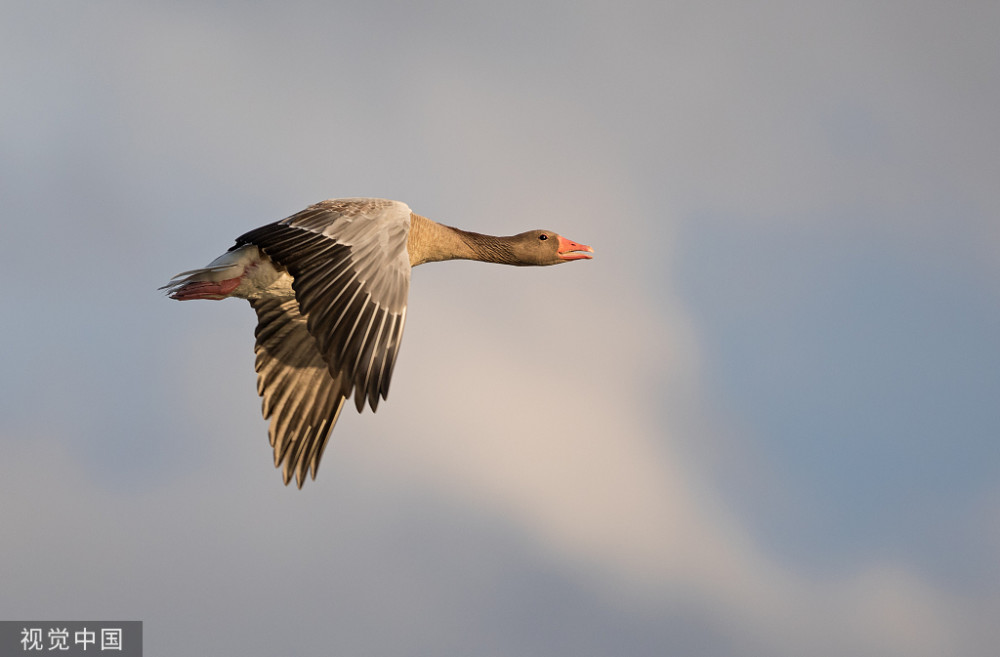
pixel 572 251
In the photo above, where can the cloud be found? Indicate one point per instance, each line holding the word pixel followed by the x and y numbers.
pixel 535 459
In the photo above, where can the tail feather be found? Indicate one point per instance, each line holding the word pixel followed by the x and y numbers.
pixel 214 281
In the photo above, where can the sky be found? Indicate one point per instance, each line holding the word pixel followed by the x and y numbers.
pixel 762 421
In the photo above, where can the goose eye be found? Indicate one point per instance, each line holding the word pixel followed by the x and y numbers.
pixel 543 237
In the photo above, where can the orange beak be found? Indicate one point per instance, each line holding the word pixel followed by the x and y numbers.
pixel 572 251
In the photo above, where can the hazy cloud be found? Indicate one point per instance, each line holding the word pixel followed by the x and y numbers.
pixel 759 422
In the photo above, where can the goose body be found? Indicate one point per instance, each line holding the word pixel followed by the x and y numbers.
pixel 329 285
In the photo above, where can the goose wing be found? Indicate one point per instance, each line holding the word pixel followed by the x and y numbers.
pixel 351 276
pixel 300 398
pixel 341 333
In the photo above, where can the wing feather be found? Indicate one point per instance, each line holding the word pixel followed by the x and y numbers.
pixel 351 274
pixel 340 333
pixel 299 396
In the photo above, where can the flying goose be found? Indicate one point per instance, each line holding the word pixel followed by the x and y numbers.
pixel 329 285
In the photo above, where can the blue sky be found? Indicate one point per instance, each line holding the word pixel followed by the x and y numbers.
pixel 762 421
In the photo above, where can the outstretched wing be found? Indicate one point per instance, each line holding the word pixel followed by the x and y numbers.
pixel 351 276
pixel 300 398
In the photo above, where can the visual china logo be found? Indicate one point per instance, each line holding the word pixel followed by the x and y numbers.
pixel 71 638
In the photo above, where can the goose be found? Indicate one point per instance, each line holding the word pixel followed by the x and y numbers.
pixel 329 285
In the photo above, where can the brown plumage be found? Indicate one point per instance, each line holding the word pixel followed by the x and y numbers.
pixel 329 285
